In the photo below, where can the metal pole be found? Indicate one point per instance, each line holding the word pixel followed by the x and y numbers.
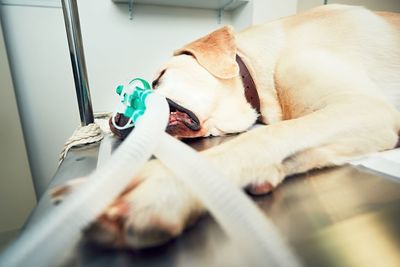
pixel 72 26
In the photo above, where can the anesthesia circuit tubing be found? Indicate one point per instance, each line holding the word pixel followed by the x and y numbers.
pixel 238 216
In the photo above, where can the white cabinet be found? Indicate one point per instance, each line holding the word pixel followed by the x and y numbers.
pixel 219 5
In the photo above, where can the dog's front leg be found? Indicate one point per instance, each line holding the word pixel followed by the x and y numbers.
pixel 261 158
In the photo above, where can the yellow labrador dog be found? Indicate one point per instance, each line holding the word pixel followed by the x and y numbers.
pixel 324 83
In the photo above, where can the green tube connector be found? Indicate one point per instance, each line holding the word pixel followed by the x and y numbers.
pixel 133 97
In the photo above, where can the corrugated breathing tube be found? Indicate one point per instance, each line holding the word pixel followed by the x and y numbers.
pixel 251 230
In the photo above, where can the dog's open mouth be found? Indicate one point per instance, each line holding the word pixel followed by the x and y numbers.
pixel 182 122
pixel 181 119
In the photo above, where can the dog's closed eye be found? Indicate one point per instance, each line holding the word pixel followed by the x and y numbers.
pixel 156 82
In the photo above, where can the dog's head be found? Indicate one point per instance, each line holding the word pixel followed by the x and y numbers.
pixel 204 90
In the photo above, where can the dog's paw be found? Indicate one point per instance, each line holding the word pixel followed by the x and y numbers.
pixel 148 213
pixel 261 185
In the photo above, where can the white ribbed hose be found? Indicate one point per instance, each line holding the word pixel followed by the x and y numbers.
pixel 239 217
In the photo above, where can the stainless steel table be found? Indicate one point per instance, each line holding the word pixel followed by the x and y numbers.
pixel 341 216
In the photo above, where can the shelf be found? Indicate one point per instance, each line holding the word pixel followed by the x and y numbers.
pixel 225 5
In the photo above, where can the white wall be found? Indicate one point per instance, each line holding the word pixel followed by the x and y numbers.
pixel 267 10
pixel 303 5
pixel 17 196
pixel 116 49
pixel 260 11
pixel 242 17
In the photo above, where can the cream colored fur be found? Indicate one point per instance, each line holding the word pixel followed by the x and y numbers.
pixel 328 80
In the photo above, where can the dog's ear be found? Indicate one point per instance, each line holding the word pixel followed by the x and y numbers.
pixel 216 52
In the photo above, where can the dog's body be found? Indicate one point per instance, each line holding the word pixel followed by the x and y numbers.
pixel 328 81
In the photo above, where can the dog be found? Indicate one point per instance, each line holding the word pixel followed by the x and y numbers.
pixel 324 84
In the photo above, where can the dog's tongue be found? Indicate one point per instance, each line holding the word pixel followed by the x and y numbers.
pixel 178 117
pixel 181 125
